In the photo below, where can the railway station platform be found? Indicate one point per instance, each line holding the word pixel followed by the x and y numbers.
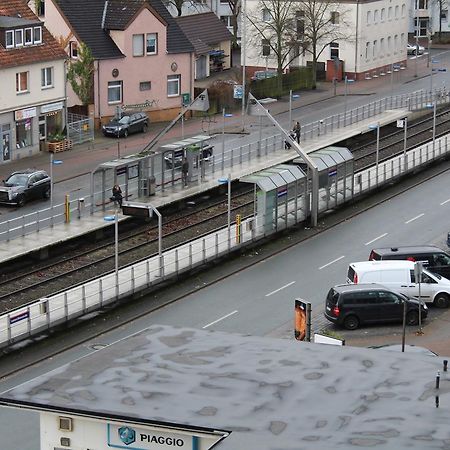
pixel 41 241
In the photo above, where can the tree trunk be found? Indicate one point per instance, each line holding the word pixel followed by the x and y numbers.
pixel 314 71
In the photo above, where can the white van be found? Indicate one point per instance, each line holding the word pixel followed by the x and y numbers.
pixel 399 275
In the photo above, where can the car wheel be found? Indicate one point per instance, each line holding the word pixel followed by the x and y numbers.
pixel 21 200
pixel 144 128
pixel 351 322
pixel 441 300
pixel 412 318
pixel 46 193
pixel 125 133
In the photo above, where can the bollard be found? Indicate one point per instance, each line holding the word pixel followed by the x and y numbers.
pixel 445 365
pixel 80 207
pixel 438 378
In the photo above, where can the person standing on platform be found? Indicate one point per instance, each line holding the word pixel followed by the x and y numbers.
pixel 297 131
pixel 184 171
pixel 117 195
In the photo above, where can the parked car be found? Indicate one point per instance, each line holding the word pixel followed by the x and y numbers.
pixel 25 185
pixel 263 74
pixel 413 49
pixel 399 275
pixel 127 124
pixel 353 305
pixel 432 258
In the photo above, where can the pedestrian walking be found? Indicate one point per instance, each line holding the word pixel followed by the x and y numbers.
pixel 184 171
pixel 297 130
pixel 117 195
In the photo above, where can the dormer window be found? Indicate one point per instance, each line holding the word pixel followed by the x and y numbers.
pixel 28 36
pixel 10 39
pixel 38 35
pixel 73 49
pixel 18 38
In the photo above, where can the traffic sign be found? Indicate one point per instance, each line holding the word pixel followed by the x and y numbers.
pixel 237 91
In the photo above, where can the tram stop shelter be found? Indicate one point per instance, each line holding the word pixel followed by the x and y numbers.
pixel 280 196
pixel 196 150
pixel 132 174
pixel 336 170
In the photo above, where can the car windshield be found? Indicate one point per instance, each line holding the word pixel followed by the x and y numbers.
pixel 124 120
pixel 17 180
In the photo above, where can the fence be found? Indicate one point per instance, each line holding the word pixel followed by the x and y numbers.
pixel 80 128
pixel 59 308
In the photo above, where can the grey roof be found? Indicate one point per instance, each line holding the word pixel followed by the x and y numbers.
pixel 206 28
pixel 6 22
pixel 121 12
pixel 118 15
pixel 270 393
pixel 85 16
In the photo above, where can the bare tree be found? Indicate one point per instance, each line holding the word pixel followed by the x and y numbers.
pixel 322 23
pixel 235 9
pixel 442 6
pixel 178 4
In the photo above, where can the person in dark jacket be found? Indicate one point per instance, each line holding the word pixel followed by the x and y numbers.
pixel 184 171
pixel 297 131
pixel 117 194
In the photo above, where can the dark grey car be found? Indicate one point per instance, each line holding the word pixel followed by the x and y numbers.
pixel 127 124
pixel 25 185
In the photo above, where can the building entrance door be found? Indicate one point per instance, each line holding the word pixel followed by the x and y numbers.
pixel 42 132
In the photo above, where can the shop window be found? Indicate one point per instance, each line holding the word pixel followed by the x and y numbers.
pixel 28 36
pixel 151 47
pixel 37 35
pixel 114 92
pixel 73 49
pixel 10 39
pixel 18 38
pixel 138 45
pixel 47 77
pixel 173 85
pixel 145 85
pixel 23 133
pixel 21 82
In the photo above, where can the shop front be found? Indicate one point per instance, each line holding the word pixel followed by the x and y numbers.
pixel 5 142
pixel 26 131
pixel 51 121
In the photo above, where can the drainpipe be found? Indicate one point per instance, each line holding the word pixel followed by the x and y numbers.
pixel 66 113
pixel 98 93
pixel 357 37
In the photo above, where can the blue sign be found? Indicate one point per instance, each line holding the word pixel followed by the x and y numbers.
pixel 127 435
pixel 237 91
pixel 332 173
pixel 281 192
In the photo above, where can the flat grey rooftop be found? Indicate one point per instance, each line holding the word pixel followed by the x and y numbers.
pixel 270 393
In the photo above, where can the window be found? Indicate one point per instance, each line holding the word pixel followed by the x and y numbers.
pixel 374 49
pixel 18 38
pixel 403 10
pixel 375 16
pixel 266 16
pixel 28 36
pixel 397 11
pixel 383 15
pixel 390 13
pixel 265 47
pixel 145 85
pixel 114 92
pixel 389 45
pixel 9 39
pixel 47 77
pixel 382 47
pixel 41 8
pixel 369 17
pixel 300 29
pixel 21 82
pixel 73 49
pixel 334 17
pixel 173 85
pixel 37 35
pixel 388 297
pixel 395 43
pixel 226 20
pixel 402 41
pixel 138 45
pixel 334 50
pixel 23 133
pixel 421 4
pixel 367 49
pixel 152 46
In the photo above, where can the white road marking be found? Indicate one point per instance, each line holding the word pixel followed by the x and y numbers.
pixel 279 289
pixel 221 318
pixel 415 218
pixel 331 262
pixel 446 201
pixel 376 239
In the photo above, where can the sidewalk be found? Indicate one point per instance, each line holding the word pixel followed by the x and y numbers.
pixel 85 156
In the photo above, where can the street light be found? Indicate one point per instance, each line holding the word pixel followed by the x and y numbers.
pixel 404 123
pixel 394 68
pixel 291 97
pixel 223 135
pixel 346 82
pixel 55 162
pixel 429 106
pixel 376 126
pixel 243 59
pixel 116 244
pixel 228 182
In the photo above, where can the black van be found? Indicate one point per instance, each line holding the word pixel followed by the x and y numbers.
pixel 351 305
pixel 433 258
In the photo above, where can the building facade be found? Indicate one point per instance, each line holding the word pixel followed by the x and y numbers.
pixel 32 94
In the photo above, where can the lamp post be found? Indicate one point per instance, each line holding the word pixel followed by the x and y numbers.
pixel 405 137
pixel 376 127
pixel 291 97
pixel 346 82
pixel 433 105
pixel 223 134
pixel 417 46
pixel 52 162
pixel 116 248
pixel 394 68
pixel 228 182
pixel 243 59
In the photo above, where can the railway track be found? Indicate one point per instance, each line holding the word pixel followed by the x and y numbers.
pixel 38 282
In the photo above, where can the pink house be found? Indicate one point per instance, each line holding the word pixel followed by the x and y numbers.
pixel 142 58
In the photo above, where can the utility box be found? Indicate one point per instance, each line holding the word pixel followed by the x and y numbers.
pixel 151 186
